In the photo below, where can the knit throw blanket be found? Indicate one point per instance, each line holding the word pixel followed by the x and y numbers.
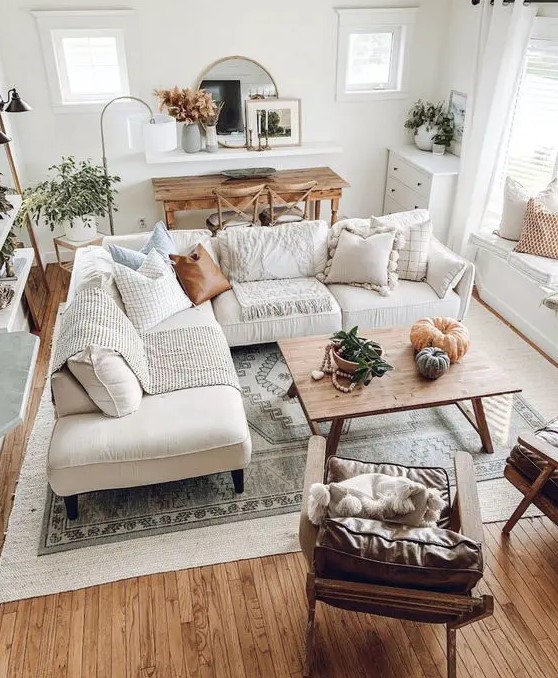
pixel 170 360
pixel 275 298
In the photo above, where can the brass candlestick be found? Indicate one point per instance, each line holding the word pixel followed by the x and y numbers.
pixel 250 146
pixel 260 147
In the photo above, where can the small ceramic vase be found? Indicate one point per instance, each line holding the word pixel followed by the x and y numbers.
pixel 191 138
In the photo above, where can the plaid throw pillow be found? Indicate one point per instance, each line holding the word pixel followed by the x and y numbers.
pixel 539 235
pixel 152 293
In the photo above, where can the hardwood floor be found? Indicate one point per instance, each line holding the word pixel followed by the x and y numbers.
pixel 247 619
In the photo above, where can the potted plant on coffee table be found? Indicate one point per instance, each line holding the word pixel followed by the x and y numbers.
pixel 358 356
pixel 424 120
pixel 76 194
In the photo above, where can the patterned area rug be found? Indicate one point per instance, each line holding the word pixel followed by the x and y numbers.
pixel 274 478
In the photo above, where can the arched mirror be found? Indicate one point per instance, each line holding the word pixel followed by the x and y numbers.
pixel 233 81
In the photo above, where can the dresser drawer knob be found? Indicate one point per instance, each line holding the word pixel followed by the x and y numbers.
pixel 419 183
pixel 392 190
pixel 395 169
pixel 416 207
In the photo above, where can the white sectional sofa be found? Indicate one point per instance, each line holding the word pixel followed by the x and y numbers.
pixel 177 435
pixel 515 285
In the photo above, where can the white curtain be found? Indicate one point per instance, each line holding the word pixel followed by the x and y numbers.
pixel 503 38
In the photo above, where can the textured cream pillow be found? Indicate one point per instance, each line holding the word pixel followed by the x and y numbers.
pixel 152 293
pixel 108 380
pixel 516 198
pixel 445 270
pixel 416 228
pixel 364 229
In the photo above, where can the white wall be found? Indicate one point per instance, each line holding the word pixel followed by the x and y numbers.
pixel 295 40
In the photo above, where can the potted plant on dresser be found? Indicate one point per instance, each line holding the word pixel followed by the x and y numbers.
pixel 425 120
pixel 76 194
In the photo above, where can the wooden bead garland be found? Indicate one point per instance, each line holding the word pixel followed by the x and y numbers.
pixel 328 367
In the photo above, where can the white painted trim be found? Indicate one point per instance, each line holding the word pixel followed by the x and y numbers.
pixel 401 21
pixel 95 20
pixel 545 28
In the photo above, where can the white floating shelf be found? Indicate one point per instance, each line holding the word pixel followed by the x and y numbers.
pixel 228 154
pixel 7 220
pixel 8 315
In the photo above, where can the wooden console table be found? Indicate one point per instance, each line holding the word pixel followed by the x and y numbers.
pixel 196 193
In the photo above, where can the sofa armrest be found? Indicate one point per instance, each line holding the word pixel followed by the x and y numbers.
pixel 315 463
pixel 464 287
pixel 468 507
pixel 133 241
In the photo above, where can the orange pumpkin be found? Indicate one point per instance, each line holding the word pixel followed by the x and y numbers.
pixel 446 333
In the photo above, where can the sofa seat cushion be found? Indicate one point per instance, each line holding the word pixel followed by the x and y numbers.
pixel 541 269
pixel 377 552
pixel 239 332
pixel 406 304
pixel 171 436
pixel 529 464
pixel 339 469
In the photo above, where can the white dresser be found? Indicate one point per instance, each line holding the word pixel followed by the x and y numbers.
pixel 420 180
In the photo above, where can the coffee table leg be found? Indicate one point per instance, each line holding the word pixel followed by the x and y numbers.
pixel 333 437
pixel 482 424
pixel 292 392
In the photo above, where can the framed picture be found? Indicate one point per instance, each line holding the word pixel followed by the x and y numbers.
pixel 279 118
pixel 457 107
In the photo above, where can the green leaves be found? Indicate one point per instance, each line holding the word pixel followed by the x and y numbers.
pixel 425 113
pixel 76 189
pixel 365 352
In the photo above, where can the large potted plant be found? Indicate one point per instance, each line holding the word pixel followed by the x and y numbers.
pixel 76 194
pixel 424 120
pixel 193 107
pixel 5 204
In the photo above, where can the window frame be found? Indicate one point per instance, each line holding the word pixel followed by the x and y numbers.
pixel 400 22
pixel 54 25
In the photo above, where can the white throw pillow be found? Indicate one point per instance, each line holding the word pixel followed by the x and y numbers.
pixel 516 198
pixel 445 270
pixel 364 229
pixel 152 293
pixel 94 268
pixel 362 259
pixel 108 380
pixel 416 228
pixel 250 253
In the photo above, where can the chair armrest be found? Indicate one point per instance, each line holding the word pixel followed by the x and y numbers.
pixel 536 444
pixel 464 287
pixel 315 463
pixel 467 497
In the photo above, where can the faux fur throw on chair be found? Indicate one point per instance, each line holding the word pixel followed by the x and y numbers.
pixel 376 496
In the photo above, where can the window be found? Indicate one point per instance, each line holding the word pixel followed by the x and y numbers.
pixel 531 154
pixel 85 55
pixel 372 46
pixel 91 65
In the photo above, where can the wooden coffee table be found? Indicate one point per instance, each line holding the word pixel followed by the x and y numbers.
pixel 474 378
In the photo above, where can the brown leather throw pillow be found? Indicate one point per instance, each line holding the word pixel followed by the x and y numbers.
pixel 199 275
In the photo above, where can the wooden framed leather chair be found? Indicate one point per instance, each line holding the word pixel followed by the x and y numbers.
pixel 235 207
pixel 284 202
pixel 533 468
pixel 421 574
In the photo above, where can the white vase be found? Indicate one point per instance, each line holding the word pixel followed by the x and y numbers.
pixel 211 145
pixel 424 137
pixel 81 229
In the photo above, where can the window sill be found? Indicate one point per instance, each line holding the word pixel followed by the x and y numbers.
pixel 379 95
pixel 85 108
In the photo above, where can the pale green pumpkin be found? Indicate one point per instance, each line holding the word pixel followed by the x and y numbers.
pixel 432 362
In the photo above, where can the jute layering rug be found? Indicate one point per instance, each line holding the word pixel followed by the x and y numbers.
pixel 200 521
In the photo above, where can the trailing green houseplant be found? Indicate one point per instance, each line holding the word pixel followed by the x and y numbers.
pixel 7 255
pixel 364 353
pixel 76 193
pixel 446 130
pixel 5 204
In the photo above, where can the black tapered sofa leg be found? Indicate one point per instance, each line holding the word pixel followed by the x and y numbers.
pixel 238 480
pixel 71 504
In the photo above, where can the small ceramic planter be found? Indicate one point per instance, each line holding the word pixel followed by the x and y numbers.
pixel 424 137
pixel 438 149
pixel 347 366
pixel 211 145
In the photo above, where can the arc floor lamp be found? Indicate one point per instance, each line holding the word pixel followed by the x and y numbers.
pixel 15 104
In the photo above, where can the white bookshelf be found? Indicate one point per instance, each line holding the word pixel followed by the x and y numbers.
pixel 7 220
pixel 23 261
